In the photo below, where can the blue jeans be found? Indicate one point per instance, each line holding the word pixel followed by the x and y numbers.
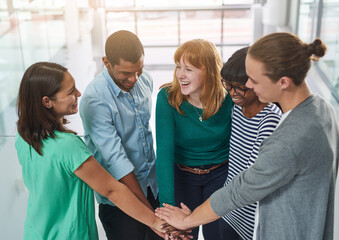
pixel 193 190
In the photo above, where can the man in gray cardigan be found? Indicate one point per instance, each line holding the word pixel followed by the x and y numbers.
pixel 295 173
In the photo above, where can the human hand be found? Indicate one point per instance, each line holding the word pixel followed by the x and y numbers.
pixel 173 215
pixel 182 236
pixel 174 234
pixel 158 227
pixel 160 234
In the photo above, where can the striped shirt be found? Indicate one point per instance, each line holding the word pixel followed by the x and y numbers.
pixel 246 138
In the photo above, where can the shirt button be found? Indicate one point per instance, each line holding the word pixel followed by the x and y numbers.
pixel 127 96
pixel 144 144
pixel 136 110
pixel 140 127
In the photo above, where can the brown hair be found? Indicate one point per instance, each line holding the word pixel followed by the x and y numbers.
pixel 204 55
pixel 284 54
pixel 36 122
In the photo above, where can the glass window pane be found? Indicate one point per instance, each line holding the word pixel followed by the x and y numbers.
pixel 158 28
pixel 160 56
pixel 40 40
pixel 6 23
pixel 330 35
pixel 307 20
pixel 33 37
pixel 237 2
pixel 201 24
pixel 293 16
pixel 20 3
pixel 119 3
pixel 116 21
pixel 228 51
pixel 237 26
pixel 3 7
pixel 11 70
pixel 173 27
pixel 177 3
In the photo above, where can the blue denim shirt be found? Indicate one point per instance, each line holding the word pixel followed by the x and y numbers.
pixel 117 129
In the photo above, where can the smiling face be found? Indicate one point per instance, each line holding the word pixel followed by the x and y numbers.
pixel 266 90
pixel 242 100
pixel 125 74
pixel 65 102
pixel 189 78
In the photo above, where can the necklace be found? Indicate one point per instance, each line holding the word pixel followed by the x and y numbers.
pixel 199 115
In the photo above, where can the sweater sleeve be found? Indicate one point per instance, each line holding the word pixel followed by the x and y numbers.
pixel 268 173
pixel 165 148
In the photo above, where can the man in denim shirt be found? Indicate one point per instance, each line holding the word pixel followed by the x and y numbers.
pixel 115 110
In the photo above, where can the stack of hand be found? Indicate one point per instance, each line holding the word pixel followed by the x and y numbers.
pixel 175 227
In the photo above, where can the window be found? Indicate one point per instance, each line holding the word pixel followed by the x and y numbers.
pixel 320 18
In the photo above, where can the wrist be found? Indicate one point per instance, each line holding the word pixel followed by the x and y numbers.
pixel 156 223
pixel 187 222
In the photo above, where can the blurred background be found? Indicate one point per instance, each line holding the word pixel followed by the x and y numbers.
pixel 73 33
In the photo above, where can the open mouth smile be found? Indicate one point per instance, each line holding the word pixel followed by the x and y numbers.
pixel 184 83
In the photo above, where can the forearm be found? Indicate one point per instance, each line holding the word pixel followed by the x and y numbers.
pixel 124 199
pixel 131 181
pixel 201 215
pixel 182 218
pixel 102 182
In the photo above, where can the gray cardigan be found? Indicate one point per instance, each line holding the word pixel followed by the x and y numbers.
pixel 293 177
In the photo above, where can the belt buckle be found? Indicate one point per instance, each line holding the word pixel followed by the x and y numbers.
pixel 201 171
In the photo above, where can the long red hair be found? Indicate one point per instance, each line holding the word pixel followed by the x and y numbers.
pixel 204 55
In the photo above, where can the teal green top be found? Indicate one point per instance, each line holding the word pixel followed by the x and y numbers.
pixel 184 139
pixel 60 205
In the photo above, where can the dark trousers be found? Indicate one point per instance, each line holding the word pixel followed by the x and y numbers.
pixel 227 232
pixel 193 190
pixel 119 226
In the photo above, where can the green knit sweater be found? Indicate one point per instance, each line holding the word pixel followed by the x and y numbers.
pixel 184 139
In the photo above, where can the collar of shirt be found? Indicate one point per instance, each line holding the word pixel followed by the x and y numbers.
pixel 112 84
pixel 283 117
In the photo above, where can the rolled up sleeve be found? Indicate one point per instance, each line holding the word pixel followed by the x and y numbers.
pixel 102 137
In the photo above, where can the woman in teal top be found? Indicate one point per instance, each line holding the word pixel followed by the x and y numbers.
pixel 57 197
pixel 193 124
pixel 58 169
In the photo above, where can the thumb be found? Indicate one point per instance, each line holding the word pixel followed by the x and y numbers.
pixel 183 206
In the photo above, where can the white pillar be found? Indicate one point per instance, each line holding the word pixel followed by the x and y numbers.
pixel 274 15
pixel 256 21
pixel 72 22
pixel 99 33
